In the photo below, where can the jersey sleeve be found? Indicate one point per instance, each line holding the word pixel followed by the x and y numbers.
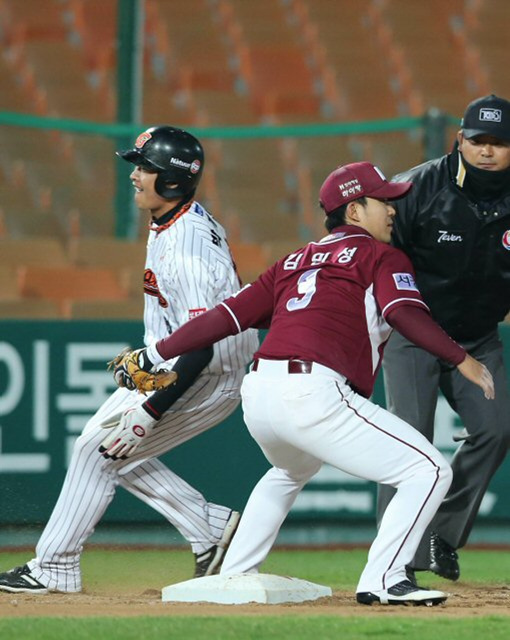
pixel 418 327
pixel 394 282
pixel 250 307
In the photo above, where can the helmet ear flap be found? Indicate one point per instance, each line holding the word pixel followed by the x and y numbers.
pixel 162 186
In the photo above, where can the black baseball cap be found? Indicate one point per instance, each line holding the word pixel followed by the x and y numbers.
pixel 489 115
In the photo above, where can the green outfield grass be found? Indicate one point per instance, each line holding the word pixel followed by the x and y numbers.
pixel 128 571
pixel 259 628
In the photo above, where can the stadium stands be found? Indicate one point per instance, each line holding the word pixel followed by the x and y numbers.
pixel 39 251
pixel 64 283
pixel 107 251
pixel 9 286
pixel 30 309
pixel 130 309
pixel 219 63
pixel 250 260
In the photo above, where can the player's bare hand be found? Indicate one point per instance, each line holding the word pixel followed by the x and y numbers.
pixel 479 374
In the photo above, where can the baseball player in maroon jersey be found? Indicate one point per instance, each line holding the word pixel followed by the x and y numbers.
pixel 331 307
pixel 188 269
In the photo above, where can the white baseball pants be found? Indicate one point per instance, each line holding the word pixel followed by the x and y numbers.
pixel 302 420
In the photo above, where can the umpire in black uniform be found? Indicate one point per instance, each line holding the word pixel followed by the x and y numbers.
pixel 455 227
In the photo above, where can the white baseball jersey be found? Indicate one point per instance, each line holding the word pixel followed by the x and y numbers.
pixel 189 269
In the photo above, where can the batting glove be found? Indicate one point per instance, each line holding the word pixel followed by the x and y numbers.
pixel 134 426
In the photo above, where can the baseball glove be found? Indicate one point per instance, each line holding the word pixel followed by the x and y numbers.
pixel 132 369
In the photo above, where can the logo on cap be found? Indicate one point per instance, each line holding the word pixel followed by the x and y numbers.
pixel 506 240
pixel 350 188
pixel 490 115
pixel 381 174
pixel 142 139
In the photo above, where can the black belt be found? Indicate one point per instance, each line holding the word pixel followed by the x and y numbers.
pixel 294 366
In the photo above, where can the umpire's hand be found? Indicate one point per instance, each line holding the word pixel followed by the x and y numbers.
pixel 479 374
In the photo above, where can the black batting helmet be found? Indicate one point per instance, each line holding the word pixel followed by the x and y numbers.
pixel 176 155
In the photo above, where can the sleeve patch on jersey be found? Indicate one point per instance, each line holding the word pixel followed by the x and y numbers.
pixel 405 281
pixel 193 313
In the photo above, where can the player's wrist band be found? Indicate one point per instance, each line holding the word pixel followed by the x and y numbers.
pixel 154 355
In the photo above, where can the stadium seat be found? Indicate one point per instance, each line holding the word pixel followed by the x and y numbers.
pixel 107 251
pixel 9 283
pixel 71 283
pixel 487 31
pixel 250 259
pixel 34 252
pixel 129 309
pixel 416 28
pixel 258 203
pixel 34 308
pixel 275 250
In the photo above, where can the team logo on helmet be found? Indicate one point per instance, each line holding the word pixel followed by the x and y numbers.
pixel 506 240
pixel 142 139
pixel 195 166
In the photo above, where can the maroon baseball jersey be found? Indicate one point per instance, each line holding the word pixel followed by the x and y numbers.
pixel 328 303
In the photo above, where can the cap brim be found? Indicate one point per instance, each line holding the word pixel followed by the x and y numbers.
pixel 472 133
pixel 135 157
pixel 131 156
pixel 391 191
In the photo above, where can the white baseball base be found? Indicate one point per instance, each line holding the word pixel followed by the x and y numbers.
pixel 244 588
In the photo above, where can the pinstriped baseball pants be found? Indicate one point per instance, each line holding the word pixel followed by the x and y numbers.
pixel 91 480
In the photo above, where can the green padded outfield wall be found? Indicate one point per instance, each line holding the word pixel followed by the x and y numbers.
pixel 53 377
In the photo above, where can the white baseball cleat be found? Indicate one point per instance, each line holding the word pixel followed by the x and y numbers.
pixel 404 592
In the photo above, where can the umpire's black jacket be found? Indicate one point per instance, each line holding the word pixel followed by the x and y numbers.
pixel 460 249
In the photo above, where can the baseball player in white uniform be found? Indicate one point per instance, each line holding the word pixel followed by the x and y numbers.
pixel 188 270
pixel 332 305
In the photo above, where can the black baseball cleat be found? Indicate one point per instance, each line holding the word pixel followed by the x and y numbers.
pixel 444 560
pixel 404 592
pixel 20 580
pixel 209 562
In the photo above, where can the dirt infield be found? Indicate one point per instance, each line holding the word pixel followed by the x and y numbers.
pixel 465 600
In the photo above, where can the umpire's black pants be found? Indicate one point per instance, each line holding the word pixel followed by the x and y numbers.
pixel 412 379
